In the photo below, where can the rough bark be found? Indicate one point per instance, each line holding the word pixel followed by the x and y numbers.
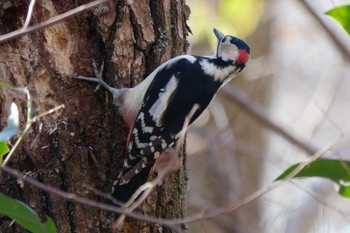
pixel 83 144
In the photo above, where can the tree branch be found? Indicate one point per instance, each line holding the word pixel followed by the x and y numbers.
pixel 261 115
pixel 24 30
pixel 84 201
pixel 344 49
pixel 29 14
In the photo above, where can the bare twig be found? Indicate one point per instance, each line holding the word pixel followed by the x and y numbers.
pixel 186 125
pixel 53 20
pixel 226 210
pixel 29 14
pixel 30 121
pixel 52 110
pixel 103 194
pixel 344 49
pixel 173 224
pixel 84 201
pixel 317 155
pixel 261 115
pixel 319 200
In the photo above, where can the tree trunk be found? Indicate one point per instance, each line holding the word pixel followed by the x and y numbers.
pixel 83 145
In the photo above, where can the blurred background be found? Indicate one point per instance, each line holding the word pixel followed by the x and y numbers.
pixel 299 73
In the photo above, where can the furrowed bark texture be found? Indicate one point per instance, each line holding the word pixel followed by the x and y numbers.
pixel 84 144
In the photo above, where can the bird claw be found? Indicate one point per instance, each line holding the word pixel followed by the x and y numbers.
pixel 117 93
pixel 98 73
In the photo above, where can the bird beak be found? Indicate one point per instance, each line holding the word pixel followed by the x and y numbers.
pixel 218 34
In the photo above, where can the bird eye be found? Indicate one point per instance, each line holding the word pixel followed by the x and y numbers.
pixel 223 40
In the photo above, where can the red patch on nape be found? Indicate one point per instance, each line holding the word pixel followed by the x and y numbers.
pixel 243 56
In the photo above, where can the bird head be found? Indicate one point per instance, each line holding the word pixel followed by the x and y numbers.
pixel 231 49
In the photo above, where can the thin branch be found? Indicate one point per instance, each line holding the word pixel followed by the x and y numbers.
pixel 317 155
pixel 322 202
pixel 84 201
pixel 53 20
pixel 52 110
pixel 261 115
pixel 29 14
pixel 15 146
pixel 29 123
pixel 255 195
pixel 103 194
pixel 344 49
pixel 203 215
pixel 166 222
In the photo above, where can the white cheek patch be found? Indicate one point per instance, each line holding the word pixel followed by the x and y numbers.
pixel 228 51
pixel 158 108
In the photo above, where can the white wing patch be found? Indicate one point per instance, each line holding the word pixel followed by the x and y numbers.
pixel 158 108
pixel 134 96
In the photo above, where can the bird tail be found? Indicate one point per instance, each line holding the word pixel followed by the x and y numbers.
pixel 123 192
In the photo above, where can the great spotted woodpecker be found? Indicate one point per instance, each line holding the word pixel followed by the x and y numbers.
pixel 155 110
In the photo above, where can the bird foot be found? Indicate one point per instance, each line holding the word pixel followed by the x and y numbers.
pixel 98 77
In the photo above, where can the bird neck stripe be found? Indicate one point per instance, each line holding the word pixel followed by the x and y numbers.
pixel 219 73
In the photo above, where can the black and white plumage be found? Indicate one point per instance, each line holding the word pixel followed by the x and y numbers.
pixel 156 109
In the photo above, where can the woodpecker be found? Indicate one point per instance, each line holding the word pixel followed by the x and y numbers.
pixel 155 110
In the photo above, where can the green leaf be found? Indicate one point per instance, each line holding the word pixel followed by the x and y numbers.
pixel 3 150
pixel 336 170
pixel 12 124
pixel 344 191
pixel 342 15
pixel 25 216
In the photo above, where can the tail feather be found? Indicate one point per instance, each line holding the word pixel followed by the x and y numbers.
pixel 123 192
